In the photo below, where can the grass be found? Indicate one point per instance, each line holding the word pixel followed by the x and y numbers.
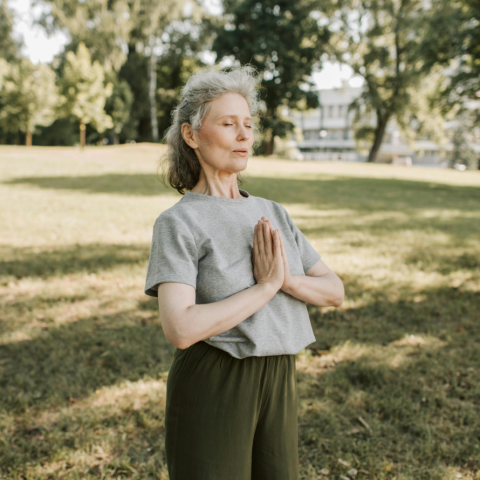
pixel 390 389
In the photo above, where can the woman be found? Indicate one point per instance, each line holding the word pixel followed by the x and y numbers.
pixel 232 274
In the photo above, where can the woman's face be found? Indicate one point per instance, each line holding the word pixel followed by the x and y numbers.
pixel 226 136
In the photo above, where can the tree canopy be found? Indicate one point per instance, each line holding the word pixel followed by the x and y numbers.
pixel 83 91
pixel 283 41
pixel 28 96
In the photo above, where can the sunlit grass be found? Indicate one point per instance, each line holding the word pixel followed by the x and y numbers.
pixel 389 389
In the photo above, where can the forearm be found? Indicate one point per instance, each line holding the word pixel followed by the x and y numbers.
pixel 207 320
pixel 323 291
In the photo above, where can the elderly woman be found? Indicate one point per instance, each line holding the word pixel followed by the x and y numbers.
pixel 232 274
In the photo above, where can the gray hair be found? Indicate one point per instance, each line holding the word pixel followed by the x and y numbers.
pixel 181 168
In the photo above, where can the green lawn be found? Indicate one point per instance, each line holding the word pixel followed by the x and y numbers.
pixel 390 390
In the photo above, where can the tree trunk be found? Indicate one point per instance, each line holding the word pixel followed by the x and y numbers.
pixel 269 144
pixel 82 135
pixel 28 138
pixel 379 132
pixel 152 89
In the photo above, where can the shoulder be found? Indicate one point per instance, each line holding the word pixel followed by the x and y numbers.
pixel 265 202
pixel 179 212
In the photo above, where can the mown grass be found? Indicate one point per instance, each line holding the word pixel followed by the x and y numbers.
pixel 390 390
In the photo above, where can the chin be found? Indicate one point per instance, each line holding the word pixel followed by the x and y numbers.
pixel 239 166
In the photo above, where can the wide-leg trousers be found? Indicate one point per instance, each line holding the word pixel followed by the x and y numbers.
pixel 229 418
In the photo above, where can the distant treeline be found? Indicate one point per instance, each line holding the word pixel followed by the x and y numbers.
pixel 121 73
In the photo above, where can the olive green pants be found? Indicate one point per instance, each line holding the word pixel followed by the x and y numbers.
pixel 231 419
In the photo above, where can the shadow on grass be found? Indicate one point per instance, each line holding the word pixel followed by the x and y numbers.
pixel 323 192
pixel 419 401
pixel 115 183
pixel 75 359
pixel 394 383
pixel 48 262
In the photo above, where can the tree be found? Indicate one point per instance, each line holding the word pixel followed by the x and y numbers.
pixel 118 106
pixel 102 26
pixel 9 47
pixel 83 91
pixel 28 97
pixel 110 29
pixel 383 41
pixel 454 31
pixel 151 18
pixel 284 42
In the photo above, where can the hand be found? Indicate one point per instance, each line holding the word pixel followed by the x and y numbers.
pixel 289 281
pixel 268 266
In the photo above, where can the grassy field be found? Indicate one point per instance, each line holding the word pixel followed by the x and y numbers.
pixel 390 390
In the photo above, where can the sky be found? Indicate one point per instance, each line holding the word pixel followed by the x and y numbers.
pixel 41 48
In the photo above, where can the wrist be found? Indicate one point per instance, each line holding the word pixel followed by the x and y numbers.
pixel 268 288
pixel 292 286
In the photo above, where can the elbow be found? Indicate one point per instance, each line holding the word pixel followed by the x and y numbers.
pixel 183 344
pixel 176 335
pixel 337 302
pixel 340 295
pixel 180 341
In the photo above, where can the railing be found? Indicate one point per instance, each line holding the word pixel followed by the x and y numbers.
pixel 332 156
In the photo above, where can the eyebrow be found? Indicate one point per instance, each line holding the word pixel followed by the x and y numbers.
pixel 233 116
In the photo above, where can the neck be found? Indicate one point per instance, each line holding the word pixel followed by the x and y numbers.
pixel 218 184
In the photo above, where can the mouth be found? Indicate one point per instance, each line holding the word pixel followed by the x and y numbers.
pixel 241 151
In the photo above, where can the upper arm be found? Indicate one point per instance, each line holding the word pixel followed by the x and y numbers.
pixel 318 269
pixel 173 254
pixel 308 255
pixel 172 273
pixel 174 299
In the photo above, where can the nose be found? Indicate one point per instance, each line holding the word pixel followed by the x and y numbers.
pixel 243 133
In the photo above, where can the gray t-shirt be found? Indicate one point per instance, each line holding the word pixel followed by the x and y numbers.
pixel 206 242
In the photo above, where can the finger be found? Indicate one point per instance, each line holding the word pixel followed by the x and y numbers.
pixel 261 239
pixel 271 226
pixel 277 244
pixel 255 241
pixel 268 240
pixel 284 251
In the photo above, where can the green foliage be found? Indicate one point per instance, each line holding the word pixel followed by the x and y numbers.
pixel 284 42
pixel 9 48
pixel 62 132
pixel 104 27
pixel 179 60
pixel 28 96
pixel 384 43
pixel 83 90
pixel 119 104
pixel 135 73
pixel 454 34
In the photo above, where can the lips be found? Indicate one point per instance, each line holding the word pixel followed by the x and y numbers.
pixel 241 150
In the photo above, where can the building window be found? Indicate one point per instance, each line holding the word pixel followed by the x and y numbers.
pixel 330 111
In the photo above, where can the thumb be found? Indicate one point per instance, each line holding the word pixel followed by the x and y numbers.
pixel 277 245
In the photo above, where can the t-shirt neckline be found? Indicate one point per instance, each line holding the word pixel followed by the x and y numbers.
pixel 228 201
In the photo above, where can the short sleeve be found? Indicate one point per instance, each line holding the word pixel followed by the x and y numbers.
pixel 173 255
pixel 308 254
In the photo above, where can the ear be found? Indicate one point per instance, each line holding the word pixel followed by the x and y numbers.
pixel 189 135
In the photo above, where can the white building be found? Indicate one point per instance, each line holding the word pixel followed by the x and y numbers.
pixel 328 135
